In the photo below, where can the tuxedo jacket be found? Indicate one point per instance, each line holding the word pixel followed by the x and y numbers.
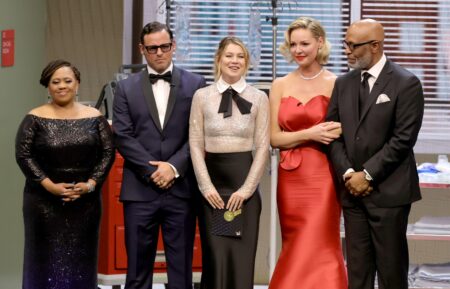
pixel 380 138
pixel 141 138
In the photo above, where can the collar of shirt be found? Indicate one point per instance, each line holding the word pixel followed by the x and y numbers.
pixel 161 91
pixel 376 69
pixel 239 86
pixel 151 70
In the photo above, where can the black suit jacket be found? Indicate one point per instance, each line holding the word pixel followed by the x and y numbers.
pixel 382 139
pixel 141 138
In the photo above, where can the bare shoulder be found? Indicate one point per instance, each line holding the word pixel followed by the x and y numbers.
pixel 329 76
pixel 41 111
pixel 87 111
pixel 279 84
pixel 281 81
pixel 329 80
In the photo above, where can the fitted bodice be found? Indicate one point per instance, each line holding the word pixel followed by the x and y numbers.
pixel 65 150
pixel 295 115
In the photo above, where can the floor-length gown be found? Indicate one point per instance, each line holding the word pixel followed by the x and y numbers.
pixel 308 207
pixel 61 238
pixel 221 150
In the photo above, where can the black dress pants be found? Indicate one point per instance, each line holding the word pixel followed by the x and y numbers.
pixel 376 243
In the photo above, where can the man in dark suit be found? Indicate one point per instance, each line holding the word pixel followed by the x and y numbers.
pixel 150 122
pixel 380 106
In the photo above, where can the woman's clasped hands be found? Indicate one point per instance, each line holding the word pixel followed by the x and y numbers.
pixel 234 202
pixel 67 191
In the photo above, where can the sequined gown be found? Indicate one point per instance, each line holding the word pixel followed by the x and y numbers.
pixel 61 238
pixel 229 262
pixel 308 207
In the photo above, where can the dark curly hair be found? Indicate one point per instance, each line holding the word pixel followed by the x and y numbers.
pixel 54 65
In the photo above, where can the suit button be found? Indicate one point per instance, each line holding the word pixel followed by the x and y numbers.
pixel 357 138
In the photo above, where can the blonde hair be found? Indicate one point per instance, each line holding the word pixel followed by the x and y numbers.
pixel 220 50
pixel 317 31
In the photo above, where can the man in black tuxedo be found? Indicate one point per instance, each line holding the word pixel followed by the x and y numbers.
pixel 380 106
pixel 151 124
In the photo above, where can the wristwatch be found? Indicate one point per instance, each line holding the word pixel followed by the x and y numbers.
pixel 90 186
pixel 367 176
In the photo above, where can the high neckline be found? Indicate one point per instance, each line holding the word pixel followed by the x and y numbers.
pixel 239 85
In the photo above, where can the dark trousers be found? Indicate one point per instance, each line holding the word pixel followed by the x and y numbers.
pixel 376 243
pixel 176 218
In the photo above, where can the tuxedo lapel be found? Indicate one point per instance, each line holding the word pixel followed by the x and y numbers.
pixel 174 86
pixel 150 99
pixel 381 82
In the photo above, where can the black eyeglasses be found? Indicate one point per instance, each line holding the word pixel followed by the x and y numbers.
pixel 152 49
pixel 353 46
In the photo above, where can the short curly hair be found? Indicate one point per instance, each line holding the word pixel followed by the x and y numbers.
pixel 54 65
pixel 317 31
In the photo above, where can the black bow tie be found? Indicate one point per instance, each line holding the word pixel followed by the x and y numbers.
pixel 155 77
pixel 226 104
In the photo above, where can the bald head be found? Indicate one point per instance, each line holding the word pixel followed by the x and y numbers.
pixel 368 29
pixel 364 43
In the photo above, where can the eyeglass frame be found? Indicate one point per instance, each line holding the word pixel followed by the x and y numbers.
pixel 156 47
pixel 353 46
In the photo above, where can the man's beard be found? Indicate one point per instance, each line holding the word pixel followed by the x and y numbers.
pixel 361 63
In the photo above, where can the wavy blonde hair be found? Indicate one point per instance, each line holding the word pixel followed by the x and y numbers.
pixel 220 50
pixel 317 31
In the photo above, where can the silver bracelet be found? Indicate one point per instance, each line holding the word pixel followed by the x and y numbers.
pixel 91 187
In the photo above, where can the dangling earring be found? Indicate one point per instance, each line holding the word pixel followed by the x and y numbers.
pixel 49 97
pixel 76 96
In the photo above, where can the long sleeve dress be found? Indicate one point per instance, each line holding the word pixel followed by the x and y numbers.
pixel 221 150
pixel 61 238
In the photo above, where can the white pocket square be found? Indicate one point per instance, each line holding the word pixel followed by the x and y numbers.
pixel 382 98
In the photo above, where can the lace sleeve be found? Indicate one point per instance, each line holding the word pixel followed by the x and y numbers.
pixel 24 150
pixel 106 157
pixel 261 145
pixel 197 143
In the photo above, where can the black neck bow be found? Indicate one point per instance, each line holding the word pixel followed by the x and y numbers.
pixel 155 77
pixel 226 104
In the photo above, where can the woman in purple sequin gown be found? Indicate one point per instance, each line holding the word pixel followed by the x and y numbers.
pixel 65 152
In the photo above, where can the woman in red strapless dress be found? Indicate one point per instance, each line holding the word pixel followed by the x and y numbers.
pixel 309 210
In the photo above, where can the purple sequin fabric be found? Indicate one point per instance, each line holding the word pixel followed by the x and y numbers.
pixel 61 238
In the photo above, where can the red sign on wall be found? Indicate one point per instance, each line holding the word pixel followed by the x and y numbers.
pixel 8 47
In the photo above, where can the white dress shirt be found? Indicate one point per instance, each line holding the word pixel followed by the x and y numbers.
pixel 374 71
pixel 161 90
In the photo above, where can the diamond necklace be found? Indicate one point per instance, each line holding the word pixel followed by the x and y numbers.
pixel 312 77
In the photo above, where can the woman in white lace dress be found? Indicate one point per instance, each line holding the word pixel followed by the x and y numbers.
pixel 229 120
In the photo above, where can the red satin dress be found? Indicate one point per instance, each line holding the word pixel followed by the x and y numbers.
pixel 308 207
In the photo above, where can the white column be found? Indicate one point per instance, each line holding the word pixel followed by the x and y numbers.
pixel 273 210
pixel 355 12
